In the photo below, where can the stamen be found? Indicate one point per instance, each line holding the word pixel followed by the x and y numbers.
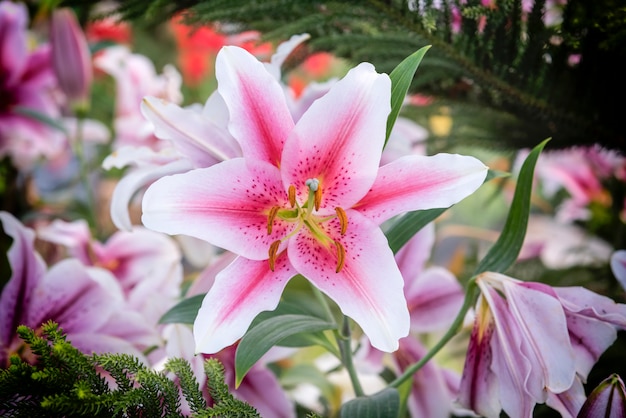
pixel 292 195
pixel 341 256
pixel 270 219
pixel 272 253
pixel 318 197
pixel 343 219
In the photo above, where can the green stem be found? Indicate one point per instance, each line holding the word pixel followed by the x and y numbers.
pixel 84 170
pixel 470 299
pixel 343 341
pixel 345 346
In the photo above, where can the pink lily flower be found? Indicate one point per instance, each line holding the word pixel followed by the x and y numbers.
pixel 87 303
pixel 191 137
pixel 532 343
pixel 26 81
pixel 306 198
pixel 146 264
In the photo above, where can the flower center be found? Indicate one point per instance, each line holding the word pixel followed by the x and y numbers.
pixel 305 216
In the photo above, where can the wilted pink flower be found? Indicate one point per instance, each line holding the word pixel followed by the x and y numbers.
pixel 87 303
pixel 71 58
pixel 306 198
pixel 26 85
pixel 532 343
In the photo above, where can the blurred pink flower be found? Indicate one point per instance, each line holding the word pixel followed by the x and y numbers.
pixel 532 343
pixel 136 77
pixel 87 303
pixel 26 87
pixel 278 210
pixel 146 264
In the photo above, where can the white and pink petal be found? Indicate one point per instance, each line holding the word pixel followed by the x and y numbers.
pixel 241 291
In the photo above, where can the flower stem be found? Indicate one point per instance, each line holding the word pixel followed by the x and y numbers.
pixel 470 299
pixel 343 341
pixel 84 170
pixel 345 345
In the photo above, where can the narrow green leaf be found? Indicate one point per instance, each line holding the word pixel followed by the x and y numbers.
pixel 184 312
pixel 384 404
pixel 39 117
pixel 401 78
pixel 506 249
pixel 259 339
pixel 408 225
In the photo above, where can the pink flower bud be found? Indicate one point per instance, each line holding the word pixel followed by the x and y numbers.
pixel 608 399
pixel 71 58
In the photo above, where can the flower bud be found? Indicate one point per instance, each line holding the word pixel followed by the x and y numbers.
pixel 606 400
pixel 71 58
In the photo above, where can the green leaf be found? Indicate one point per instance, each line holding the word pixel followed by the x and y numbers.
pixel 39 117
pixel 384 404
pixel 401 78
pixel 184 312
pixel 408 225
pixel 506 249
pixel 259 339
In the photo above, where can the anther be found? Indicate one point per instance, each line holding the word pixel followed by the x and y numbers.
pixel 270 219
pixel 292 195
pixel 343 219
pixel 318 197
pixel 272 253
pixel 341 256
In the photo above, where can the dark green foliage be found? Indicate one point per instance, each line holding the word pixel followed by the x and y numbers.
pixel 512 69
pixel 65 382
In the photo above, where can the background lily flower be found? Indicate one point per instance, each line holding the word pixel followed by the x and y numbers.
pixel 146 264
pixel 87 303
pixel 306 198
pixel 618 265
pixel 26 82
pixel 531 341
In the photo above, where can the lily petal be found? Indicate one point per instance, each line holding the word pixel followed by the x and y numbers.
pixel 434 298
pixel 70 296
pixel 259 116
pixel 194 136
pixel 421 182
pixel 282 52
pixel 479 389
pixel 134 181
pixel 542 322
pixel 369 286
pixel 413 255
pixel 346 148
pixel 27 269
pixel 226 204
pixel 240 292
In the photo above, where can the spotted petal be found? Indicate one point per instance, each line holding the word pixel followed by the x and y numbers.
pixel 339 139
pixel 226 204
pixel 421 182
pixel 259 116
pixel 240 292
pixel 369 286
